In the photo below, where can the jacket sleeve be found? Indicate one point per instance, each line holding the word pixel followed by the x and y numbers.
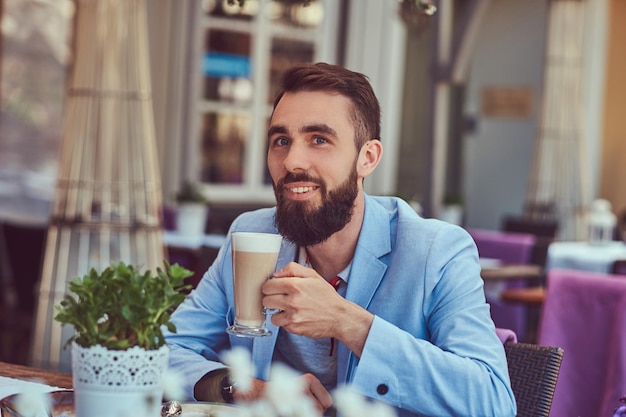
pixel 444 358
pixel 200 323
pixel 201 320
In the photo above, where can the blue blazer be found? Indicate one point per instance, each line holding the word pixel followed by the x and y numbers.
pixel 432 349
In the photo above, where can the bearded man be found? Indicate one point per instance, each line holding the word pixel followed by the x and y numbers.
pixel 367 292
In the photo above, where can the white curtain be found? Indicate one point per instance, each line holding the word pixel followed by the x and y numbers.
pixel 556 185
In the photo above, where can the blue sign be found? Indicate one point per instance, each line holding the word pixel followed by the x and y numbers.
pixel 218 64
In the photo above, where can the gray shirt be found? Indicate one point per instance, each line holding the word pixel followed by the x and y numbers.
pixel 306 355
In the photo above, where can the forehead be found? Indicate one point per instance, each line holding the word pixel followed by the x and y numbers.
pixel 311 107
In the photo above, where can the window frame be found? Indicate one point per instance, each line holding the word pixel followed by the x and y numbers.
pixel 326 43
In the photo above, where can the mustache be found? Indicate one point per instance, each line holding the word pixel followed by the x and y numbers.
pixel 302 176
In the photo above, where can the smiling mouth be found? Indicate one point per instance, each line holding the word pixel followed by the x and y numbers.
pixel 300 190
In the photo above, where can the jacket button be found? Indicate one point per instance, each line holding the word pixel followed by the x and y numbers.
pixel 382 389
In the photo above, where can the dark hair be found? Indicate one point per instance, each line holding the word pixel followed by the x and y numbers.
pixel 336 79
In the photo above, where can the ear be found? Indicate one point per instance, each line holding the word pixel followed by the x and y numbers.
pixel 369 157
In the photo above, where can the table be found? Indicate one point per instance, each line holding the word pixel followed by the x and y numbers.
pixel 28 373
pixel 533 296
pixel 496 274
pixel 506 272
pixel 584 257
pixel 16 379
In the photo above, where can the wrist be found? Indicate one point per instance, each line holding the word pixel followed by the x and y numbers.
pixel 227 389
pixel 209 387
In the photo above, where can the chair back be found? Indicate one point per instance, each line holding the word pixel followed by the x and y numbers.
pixel 25 247
pixel 619 267
pixel 169 217
pixel 534 371
pixel 585 314
pixel 536 227
pixel 544 230
pixel 23 250
pixel 509 248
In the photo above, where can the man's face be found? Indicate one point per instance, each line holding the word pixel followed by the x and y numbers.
pixel 312 161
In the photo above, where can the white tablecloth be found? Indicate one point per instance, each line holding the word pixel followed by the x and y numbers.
pixel 10 386
pixel 585 257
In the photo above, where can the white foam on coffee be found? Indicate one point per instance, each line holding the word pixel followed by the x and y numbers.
pixel 256 242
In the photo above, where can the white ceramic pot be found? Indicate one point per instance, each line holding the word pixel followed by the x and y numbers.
pixel 191 219
pixel 121 383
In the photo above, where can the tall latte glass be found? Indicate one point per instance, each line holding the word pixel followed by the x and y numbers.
pixel 254 260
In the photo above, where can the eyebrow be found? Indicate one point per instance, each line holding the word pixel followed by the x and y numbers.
pixel 276 129
pixel 321 128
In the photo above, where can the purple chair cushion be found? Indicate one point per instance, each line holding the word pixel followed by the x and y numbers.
pixel 506 335
pixel 585 314
pixel 511 248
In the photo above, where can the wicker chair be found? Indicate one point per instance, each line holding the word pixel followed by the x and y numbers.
pixel 533 370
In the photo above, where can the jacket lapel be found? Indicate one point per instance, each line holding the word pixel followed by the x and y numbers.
pixel 366 272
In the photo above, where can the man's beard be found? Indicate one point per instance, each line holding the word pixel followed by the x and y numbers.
pixel 307 226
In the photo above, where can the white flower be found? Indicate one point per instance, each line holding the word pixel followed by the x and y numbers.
pixel 380 409
pixel 285 394
pixel 173 383
pixel 351 403
pixel 285 391
pixel 241 367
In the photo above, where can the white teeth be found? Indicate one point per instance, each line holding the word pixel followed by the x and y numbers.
pixel 299 190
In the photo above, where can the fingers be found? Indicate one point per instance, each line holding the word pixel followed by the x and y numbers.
pixel 295 295
pixel 320 396
pixel 312 388
pixel 285 285
pixel 294 269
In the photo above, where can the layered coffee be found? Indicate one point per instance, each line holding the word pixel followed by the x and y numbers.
pixel 254 260
pixel 250 270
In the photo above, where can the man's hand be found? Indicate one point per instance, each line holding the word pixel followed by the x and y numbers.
pixel 253 394
pixel 309 306
pixel 321 398
pixel 313 389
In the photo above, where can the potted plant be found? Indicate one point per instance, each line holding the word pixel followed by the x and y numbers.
pixel 118 349
pixel 192 210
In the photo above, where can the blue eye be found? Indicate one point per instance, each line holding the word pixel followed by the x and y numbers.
pixel 319 140
pixel 281 141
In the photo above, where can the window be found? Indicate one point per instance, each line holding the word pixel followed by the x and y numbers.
pixel 35 55
pixel 244 51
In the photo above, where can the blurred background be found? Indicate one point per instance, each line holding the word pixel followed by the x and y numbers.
pixel 494 108
pixel 214 68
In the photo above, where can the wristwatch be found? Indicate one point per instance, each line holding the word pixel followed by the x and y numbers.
pixel 227 388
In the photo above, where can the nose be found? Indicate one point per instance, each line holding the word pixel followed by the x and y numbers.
pixel 297 158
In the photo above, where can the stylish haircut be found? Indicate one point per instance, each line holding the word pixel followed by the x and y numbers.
pixel 338 80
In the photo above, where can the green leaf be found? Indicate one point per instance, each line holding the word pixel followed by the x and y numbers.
pixel 121 307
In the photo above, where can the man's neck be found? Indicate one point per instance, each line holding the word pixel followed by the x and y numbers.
pixel 332 256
